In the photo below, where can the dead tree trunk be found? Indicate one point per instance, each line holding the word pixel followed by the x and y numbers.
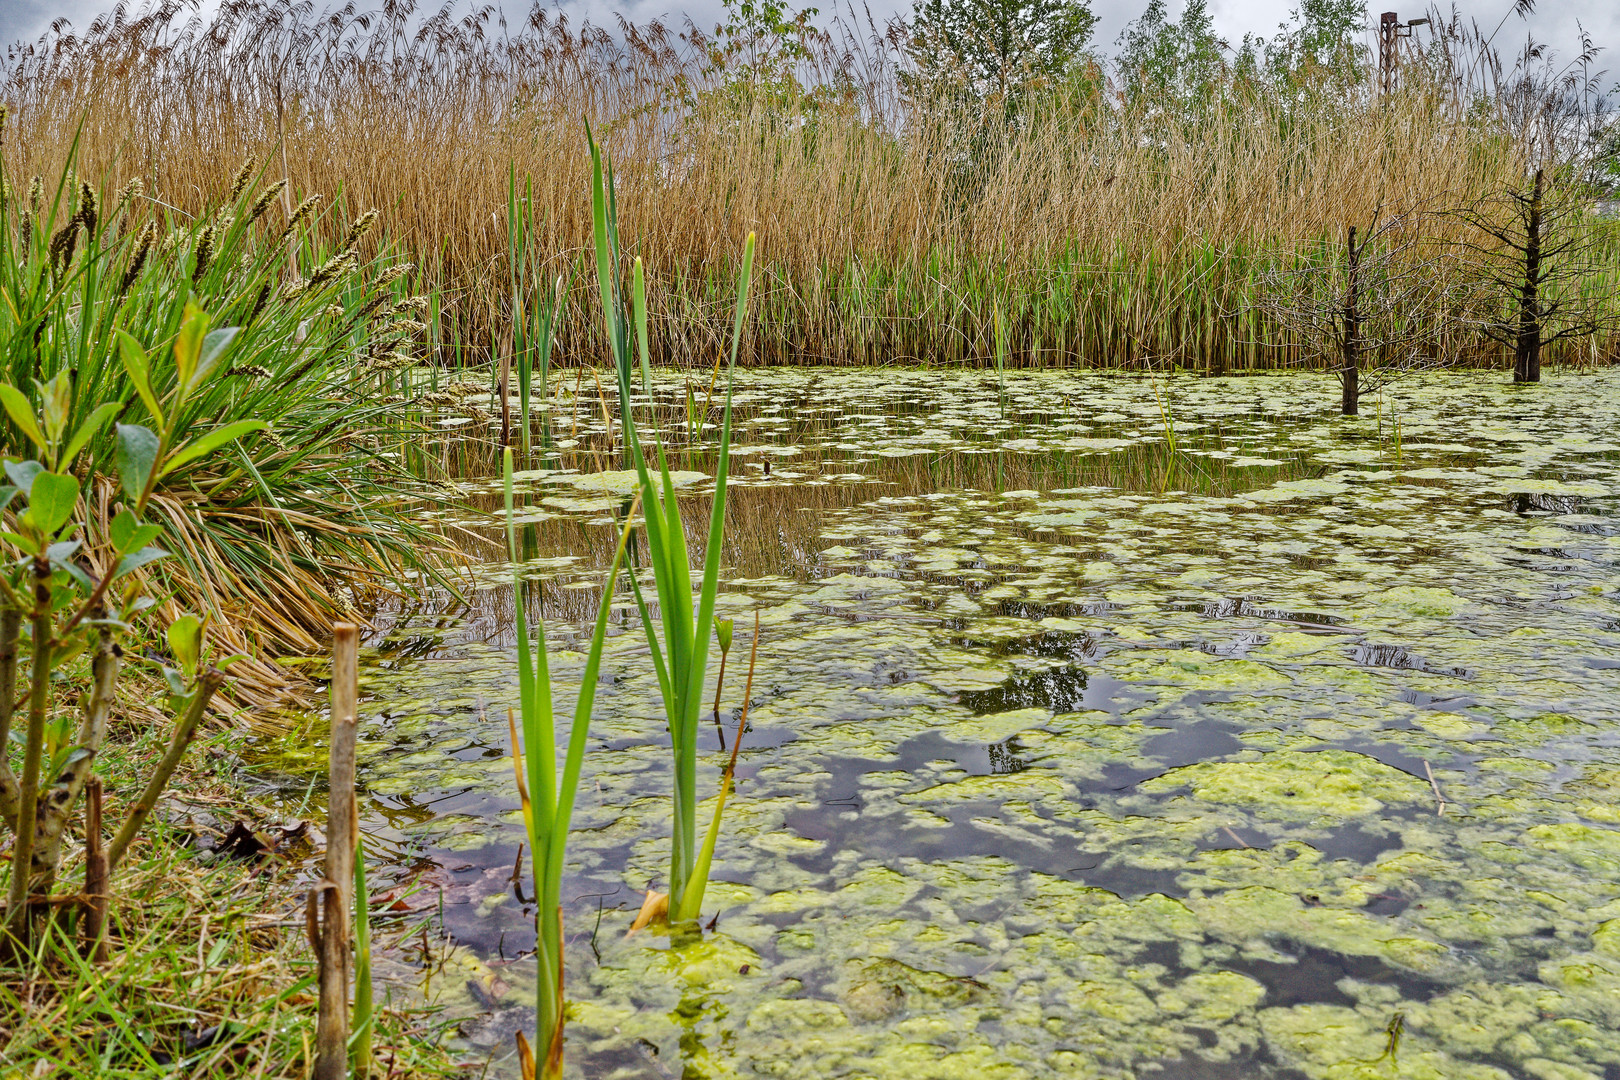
pixel 1350 363
pixel 1527 344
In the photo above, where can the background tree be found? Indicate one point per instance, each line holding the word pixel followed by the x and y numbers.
pixel 1539 250
pixel 994 51
pixel 1170 66
pixel 1322 48
pixel 1354 303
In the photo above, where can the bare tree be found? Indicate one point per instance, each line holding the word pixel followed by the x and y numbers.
pixel 1364 306
pixel 1538 245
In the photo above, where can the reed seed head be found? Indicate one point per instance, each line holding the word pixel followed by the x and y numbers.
pixel 64 243
pixel 87 214
pixel 394 273
pixel 262 203
pixel 128 194
pixel 137 261
pixel 205 251
pixel 333 268
pixel 358 230
pixel 303 211
pixel 240 182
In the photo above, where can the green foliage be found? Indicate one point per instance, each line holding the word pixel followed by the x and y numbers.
pixel 760 46
pixel 76 592
pixel 547 798
pixel 1320 52
pixel 681 653
pixel 1174 67
pixel 136 335
pixel 536 304
pixel 995 51
pixel 363 1023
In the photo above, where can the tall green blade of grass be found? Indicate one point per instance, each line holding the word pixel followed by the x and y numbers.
pixel 364 1007
pixel 681 658
pixel 547 801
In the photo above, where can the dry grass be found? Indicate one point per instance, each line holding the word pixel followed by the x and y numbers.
pixel 1108 235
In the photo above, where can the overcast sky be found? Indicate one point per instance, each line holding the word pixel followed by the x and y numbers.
pixel 1554 22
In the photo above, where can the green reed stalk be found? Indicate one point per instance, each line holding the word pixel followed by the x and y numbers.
pixel 364 1009
pixel 681 658
pixel 547 800
pixel 535 309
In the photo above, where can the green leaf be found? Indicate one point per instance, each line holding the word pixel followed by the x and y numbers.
pixel 63 549
pixel 139 367
pixel 88 430
pixel 28 546
pixel 61 557
pixel 188 344
pixel 51 501
pixel 213 441
pixel 22 473
pixel 6 495
pixel 55 399
pixel 176 681
pixel 137 453
pixel 22 414
pixel 128 534
pixel 213 348
pixel 139 559
pixel 185 641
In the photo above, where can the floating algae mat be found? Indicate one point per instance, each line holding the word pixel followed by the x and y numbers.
pixel 1288 750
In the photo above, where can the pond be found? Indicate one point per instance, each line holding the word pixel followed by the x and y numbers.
pixel 1101 727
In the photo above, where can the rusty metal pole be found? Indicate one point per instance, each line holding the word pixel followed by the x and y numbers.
pixel 1389 24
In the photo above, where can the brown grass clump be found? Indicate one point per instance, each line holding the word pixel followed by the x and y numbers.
pixel 889 229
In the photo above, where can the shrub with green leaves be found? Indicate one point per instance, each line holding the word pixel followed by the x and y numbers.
pixel 292 481
pixel 67 593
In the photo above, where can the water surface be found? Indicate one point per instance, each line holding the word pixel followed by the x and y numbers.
pixel 1102 727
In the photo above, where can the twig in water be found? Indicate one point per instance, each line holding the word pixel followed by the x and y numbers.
pixel 1439 799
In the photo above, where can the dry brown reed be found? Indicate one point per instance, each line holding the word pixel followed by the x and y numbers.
pixel 1107 234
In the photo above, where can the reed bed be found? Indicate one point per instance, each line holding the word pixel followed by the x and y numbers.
pixel 1109 234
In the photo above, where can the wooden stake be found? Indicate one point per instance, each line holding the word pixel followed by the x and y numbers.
pixel 95 874
pixel 332 1030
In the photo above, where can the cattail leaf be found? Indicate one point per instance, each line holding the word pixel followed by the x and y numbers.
pixel 21 413
pixel 51 501
pixel 137 454
pixel 211 442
